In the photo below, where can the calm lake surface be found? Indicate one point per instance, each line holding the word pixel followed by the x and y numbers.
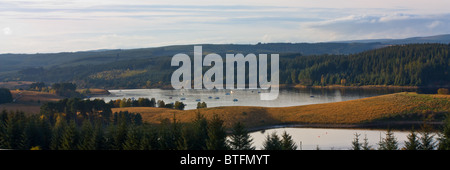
pixel 215 98
pixel 328 138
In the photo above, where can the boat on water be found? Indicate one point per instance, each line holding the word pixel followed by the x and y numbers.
pixel 310 93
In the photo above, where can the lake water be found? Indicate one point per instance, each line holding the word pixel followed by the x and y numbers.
pixel 329 139
pixel 214 98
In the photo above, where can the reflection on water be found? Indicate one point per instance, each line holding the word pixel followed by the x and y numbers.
pixel 328 139
pixel 214 98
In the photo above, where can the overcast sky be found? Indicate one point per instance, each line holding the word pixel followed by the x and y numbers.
pixel 32 26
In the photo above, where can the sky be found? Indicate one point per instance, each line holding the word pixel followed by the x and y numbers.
pixel 43 26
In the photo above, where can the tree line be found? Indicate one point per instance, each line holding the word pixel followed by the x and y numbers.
pixel 145 102
pixel 424 139
pixel 124 131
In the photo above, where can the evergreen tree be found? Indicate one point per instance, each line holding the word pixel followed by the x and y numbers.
pixel 216 135
pixel 32 134
pixel 149 140
pixel 69 140
pixel 426 138
pixel 200 132
pixel 365 145
pixel 388 143
pixel 287 143
pixel 12 131
pixel 355 143
pixel 133 140
pixel 169 134
pixel 412 143
pixel 444 140
pixel 240 139
pixel 186 140
pixel 46 131
pixel 101 142
pixel 87 137
pixel 272 142
pixel 120 134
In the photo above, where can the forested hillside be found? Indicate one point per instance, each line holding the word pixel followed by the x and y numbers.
pixel 403 65
pixel 400 65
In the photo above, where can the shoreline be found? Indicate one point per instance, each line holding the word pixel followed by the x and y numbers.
pixel 395 125
pixel 356 87
pixel 298 86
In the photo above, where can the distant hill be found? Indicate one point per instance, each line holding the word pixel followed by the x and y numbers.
pixel 443 39
pixel 15 62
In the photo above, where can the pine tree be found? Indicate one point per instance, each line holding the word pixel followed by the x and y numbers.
pixel 69 140
pixel 200 132
pixel 32 134
pixel 46 132
pixel 412 143
pixel 216 135
pixel 186 140
pixel 133 139
pixel 287 143
pixel 149 140
pixel 426 138
pixel 169 133
pixel 388 143
pixel 365 145
pixel 145 141
pixel 87 137
pixel 119 134
pixel 240 139
pixel 99 134
pixel 355 143
pixel 444 140
pixel 12 131
pixel 57 132
pixel 272 142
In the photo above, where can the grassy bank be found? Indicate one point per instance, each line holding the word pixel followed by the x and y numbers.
pixel 391 107
pixel 29 101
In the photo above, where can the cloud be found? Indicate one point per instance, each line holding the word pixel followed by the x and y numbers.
pixel 383 26
pixel 434 24
pixel 7 31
